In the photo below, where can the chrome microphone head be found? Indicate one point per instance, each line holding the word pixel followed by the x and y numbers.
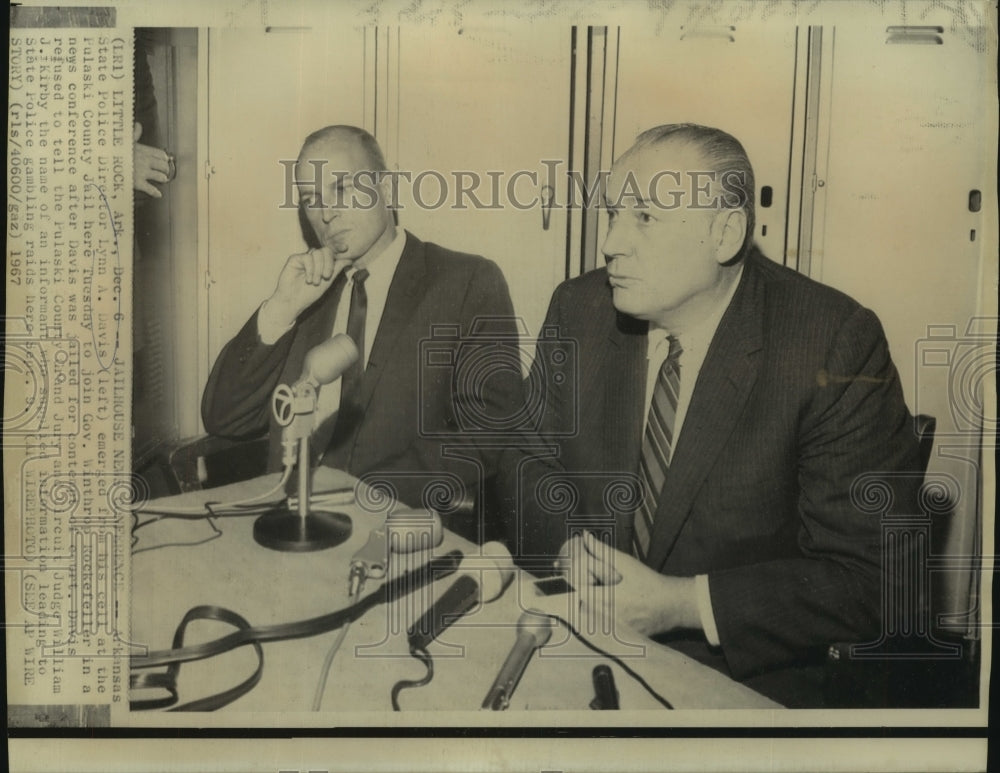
pixel 537 625
pixel 533 631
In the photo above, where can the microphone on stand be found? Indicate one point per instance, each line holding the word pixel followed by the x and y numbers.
pixel 533 631
pixel 328 361
pixel 303 530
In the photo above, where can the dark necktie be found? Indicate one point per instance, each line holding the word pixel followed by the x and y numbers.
pixel 350 385
pixel 336 426
pixel 657 447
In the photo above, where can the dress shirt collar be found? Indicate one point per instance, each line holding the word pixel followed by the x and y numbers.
pixel 381 266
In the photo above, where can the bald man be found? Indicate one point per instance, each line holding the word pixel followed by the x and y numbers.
pixel 746 403
pixel 395 412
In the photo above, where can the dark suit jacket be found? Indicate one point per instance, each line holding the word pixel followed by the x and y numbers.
pixel 796 398
pixel 413 402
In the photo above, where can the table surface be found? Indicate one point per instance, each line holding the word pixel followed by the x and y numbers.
pixel 171 573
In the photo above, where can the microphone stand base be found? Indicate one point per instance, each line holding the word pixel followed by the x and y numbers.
pixel 283 529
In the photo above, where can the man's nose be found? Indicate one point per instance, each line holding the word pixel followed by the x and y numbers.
pixel 615 243
pixel 328 213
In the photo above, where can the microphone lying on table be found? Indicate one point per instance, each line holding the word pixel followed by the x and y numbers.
pixel 402 533
pixel 534 629
pixel 482 579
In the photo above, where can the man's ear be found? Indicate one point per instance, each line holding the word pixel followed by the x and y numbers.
pixel 387 188
pixel 729 229
pixel 388 193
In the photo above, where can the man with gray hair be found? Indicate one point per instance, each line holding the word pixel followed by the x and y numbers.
pixel 389 292
pixel 744 401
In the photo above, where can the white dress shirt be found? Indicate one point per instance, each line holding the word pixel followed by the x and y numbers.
pixel 694 342
pixel 381 268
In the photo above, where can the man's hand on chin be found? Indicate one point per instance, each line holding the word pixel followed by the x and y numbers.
pixel 612 583
pixel 304 278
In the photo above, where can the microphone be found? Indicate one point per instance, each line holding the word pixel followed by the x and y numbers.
pixel 483 579
pixel 533 631
pixel 293 407
pixel 328 361
pixel 606 694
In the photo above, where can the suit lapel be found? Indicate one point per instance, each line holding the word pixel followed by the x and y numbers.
pixel 622 370
pixel 626 396
pixel 727 377
pixel 405 293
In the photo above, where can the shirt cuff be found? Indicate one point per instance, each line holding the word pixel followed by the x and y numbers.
pixel 705 613
pixel 267 329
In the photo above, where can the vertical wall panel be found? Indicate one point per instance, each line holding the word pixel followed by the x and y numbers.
pixel 268 89
pixel 480 100
pixel 739 78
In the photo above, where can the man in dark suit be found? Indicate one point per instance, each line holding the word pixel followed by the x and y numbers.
pixel 396 410
pixel 746 402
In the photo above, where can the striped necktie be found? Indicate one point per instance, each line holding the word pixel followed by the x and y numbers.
pixel 657 446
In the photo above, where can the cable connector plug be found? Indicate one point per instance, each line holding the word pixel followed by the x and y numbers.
pixel 373 557
pixel 356 580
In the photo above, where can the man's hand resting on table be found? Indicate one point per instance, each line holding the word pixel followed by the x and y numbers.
pixel 615 584
pixel 303 279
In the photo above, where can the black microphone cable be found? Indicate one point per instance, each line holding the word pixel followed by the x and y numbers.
pixel 421 654
pixel 617 661
pixel 208 511
pixel 199 511
pixel 246 634
pixel 460 598
pixel 403 684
